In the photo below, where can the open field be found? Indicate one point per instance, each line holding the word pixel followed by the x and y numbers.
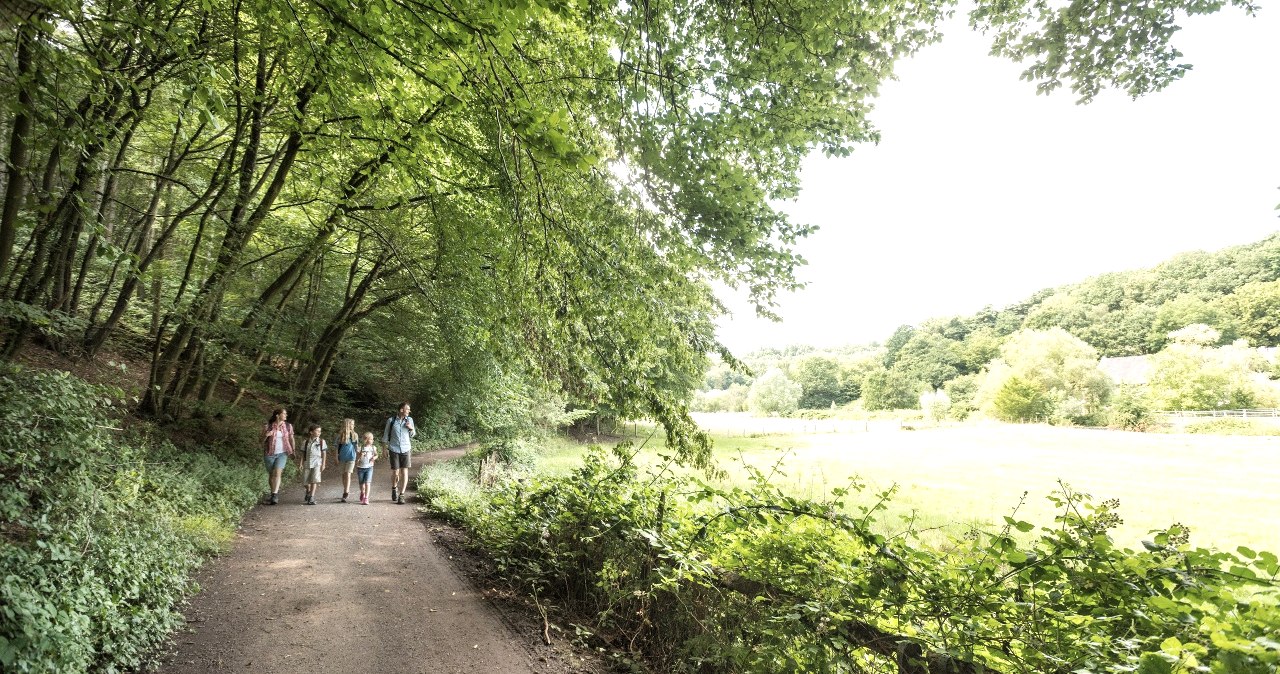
pixel 1225 488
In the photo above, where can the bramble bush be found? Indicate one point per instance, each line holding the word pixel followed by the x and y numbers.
pixel 99 529
pixel 696 577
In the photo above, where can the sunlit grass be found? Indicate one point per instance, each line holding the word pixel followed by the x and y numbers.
pixel 1225 488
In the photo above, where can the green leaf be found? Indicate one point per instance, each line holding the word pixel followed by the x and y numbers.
pixel 1154 663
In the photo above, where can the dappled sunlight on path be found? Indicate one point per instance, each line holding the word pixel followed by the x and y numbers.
pixel 341 587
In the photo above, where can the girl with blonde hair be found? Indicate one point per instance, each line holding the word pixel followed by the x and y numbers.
pixel 346 448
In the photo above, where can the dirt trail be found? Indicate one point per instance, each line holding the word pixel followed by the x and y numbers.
pixel 342 587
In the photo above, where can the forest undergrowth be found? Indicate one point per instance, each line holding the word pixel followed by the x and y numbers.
pixel 102 522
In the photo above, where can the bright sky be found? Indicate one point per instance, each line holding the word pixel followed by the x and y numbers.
pixel 982 192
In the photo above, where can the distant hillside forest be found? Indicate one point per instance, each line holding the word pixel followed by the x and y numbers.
pixel 1203 320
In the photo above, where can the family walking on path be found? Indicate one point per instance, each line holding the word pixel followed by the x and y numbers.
pixel 354 454
pixel 342 589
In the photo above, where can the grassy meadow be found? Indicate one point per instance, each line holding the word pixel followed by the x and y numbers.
pixel 1225 488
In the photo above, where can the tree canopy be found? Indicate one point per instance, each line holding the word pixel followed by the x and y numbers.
pixel 485 204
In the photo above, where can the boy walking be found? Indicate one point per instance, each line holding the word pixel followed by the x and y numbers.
pixel 314 455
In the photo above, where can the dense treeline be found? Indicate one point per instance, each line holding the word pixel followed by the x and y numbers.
pixel 1234 294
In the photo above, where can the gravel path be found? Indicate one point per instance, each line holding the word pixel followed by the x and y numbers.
pixel 342 587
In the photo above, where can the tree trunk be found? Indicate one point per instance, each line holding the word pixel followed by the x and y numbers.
pixel 96 335
pixel 205 306
pixel 103 220
pixel 16 177
pixel 311 380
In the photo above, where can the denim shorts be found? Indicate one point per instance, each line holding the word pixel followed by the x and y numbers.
pixel 365 475
pixel 276 461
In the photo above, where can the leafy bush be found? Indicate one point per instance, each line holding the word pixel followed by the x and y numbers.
pixel 1191 376
pixel 1019 400
pixel 888 390
pixel 699 578
pixel 935 405
pixel 1130 410
pixel 99 531
pixel 962 390
pixel 450 490
pixel 1046 374
pixel 773 394
pixel 819 379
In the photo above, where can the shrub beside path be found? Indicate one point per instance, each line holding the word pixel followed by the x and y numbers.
pixel 342 587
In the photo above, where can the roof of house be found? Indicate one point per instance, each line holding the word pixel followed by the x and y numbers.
pixel 1127 369
pixel 1137 369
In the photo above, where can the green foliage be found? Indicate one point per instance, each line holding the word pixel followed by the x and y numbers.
pixel 773 394
pixel 100 532
pixel 1131 411
pixel 820 382
pixel 696 577
pixel 450 489
pixel 851 376
pixel 1191 376
pixel 1046 374
pixel 1131 313
pixel 935 405
pixel 722 376
pixel 888 390
pixel 471 208
pixel 1089 46
pixel 962 390
pixel 1255 308
pixel 896 342
pixel 1189 309
pixel 1118 314
pixel 928 358
pixel 825 377
pixel 1021 400
pixel 979 348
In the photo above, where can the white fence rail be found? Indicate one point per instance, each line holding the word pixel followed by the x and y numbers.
pixel 1237 414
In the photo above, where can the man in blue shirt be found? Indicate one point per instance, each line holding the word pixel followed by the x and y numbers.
pixel 396 435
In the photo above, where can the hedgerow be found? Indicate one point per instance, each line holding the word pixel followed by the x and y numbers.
pixel 695 577
pixel 100 529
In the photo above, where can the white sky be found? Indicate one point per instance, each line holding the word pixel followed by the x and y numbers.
pixel 982 192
